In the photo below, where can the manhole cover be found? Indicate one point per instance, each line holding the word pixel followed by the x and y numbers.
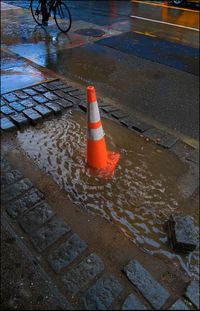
pixel 90 32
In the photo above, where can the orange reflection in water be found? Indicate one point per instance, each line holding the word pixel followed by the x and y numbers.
pixel 181 17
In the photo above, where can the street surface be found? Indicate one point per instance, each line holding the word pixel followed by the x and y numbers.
pixel 141 54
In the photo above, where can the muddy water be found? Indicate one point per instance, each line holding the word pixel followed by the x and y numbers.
pixel 142 193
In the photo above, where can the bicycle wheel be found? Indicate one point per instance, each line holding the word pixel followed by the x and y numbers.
pixel 62 16
pixel 36 11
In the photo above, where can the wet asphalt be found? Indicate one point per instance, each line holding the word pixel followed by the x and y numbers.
pixel 148 68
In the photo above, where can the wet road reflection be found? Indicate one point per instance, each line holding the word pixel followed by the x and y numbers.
pixel 150 16
pixel 16 73
pixel 144 66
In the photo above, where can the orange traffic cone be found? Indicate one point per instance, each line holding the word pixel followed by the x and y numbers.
pixel 97 155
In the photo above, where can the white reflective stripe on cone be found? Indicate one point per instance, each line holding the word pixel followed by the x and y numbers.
pixel 95 134
pixel 93 112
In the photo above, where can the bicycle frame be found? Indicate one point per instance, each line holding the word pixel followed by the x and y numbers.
pixel 43 10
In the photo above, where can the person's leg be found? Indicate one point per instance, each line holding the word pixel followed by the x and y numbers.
pixel 45 15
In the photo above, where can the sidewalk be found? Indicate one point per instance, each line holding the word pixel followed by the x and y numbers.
pixel 56 255
pixel 37 240
pixel 78 258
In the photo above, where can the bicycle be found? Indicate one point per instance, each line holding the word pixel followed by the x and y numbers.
pixel 60 11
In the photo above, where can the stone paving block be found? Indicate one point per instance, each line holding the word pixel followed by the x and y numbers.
pixel 179 305
pixel 5 165
pixel 62 86
pixel 58 82
pixel 55 107
pixel 76 92
pixel 83 273
pixel 16 106
pixel 50 86
pixel 127 122
pixel 50 96
pixel 75 101
pixel 25 202
pixel 192 293
pixel 83 106
pixel 139 125
pixel 54 82
pixel 19 119
pixel 66 253
pixel 59 93
pixel 181 149
pixel 193 156
pixel 39 88
pixel 7 125
pixel 182 233
pixel 162 138
pixel 15 190
pixel 28 103
pixel 36 217
pixel 135 123
pixel 30 91
pixel 148 286
pixel 64 103
pixel 133 303
pixel 10 97
pixel 21 94
pixel 68 89
pixel 119 114
pixel 154 134
pixel 80 97
pixel 168 141
pixel 109 109
pixel 102 294
pixel 8 178
pixel 26 284
pixel 101 103
pixel 44 111
pixel 40 99
pixel 6 110
pixel 3 102
pixel 49 234
pixel 33 115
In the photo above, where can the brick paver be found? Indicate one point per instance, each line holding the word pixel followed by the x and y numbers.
pixel 102 294
pixel 25 202
pixel 49 234
pixel 133 303
pixel 147 285
pixel 192 293
pixel 36 217
pixel 13 191
pixel 179 305
pixel 83 273
pixel 66 253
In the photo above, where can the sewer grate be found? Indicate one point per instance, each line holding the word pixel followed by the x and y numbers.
pixel 90 32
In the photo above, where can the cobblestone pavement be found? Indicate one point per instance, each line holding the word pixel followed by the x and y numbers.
pixel 31 105
pixel 86 281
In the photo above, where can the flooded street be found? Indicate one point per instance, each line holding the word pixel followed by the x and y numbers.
pixel 142 193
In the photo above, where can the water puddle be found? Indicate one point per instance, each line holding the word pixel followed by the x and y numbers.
pixel 142 193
